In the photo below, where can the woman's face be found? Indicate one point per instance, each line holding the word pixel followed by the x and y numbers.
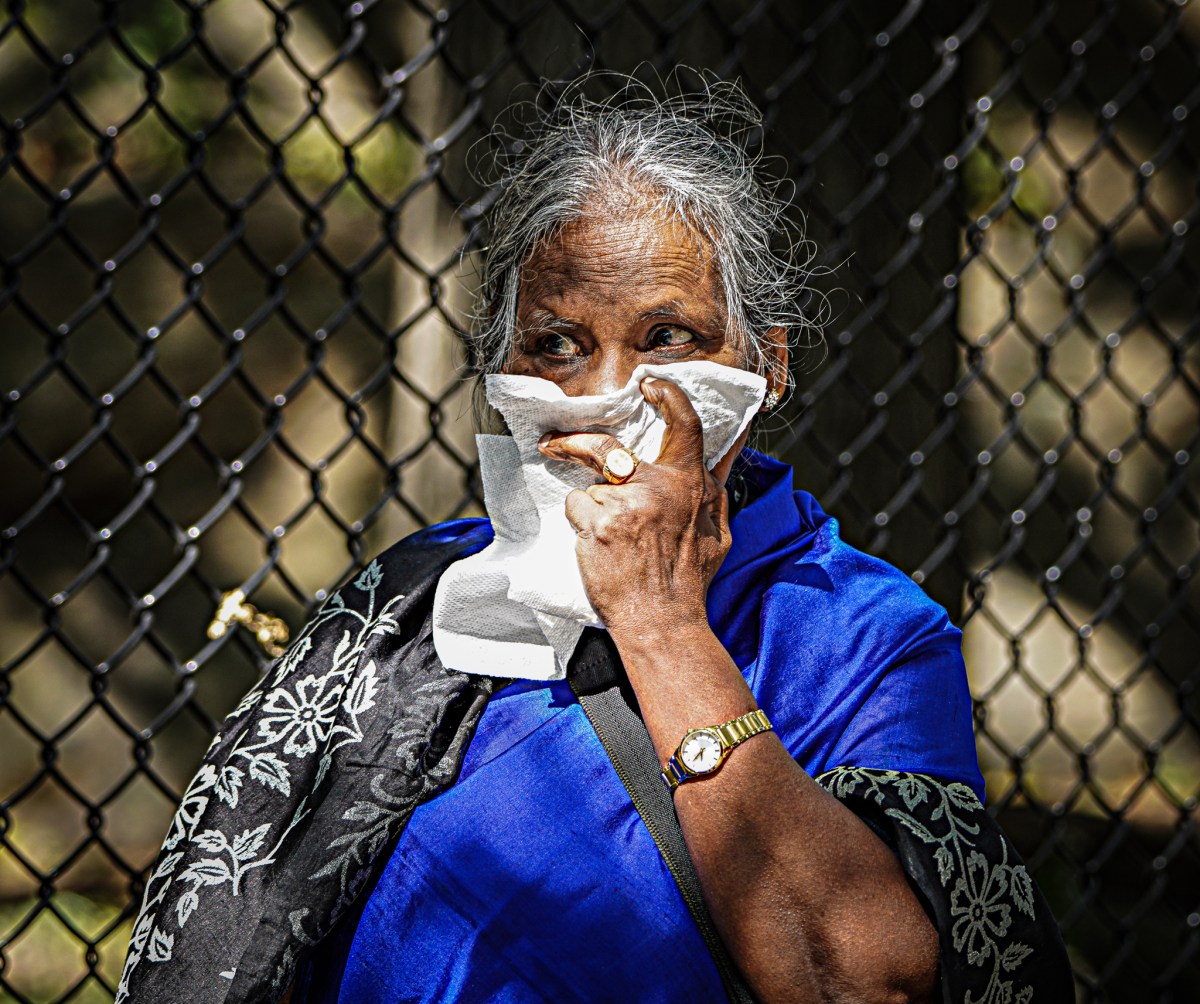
pixel 615 289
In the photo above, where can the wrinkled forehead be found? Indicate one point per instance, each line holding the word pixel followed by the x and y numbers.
pixel 623 248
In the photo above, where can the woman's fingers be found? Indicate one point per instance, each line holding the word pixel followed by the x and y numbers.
pixel 683 445
pixel 588 448
pixel 581 509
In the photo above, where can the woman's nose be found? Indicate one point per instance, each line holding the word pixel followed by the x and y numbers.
pixel 608 370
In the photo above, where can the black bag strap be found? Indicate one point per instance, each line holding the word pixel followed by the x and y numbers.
pixel 599 681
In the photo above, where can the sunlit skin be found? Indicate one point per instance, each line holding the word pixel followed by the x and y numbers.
pixel 811 904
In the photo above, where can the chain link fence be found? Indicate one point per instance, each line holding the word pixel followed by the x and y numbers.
pixel 230 299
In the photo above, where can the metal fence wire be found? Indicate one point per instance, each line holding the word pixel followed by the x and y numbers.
pixel 230 298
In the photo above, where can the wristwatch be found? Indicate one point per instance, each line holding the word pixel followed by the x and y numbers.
pixel 702 751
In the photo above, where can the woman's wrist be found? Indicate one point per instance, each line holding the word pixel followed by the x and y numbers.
pixel 648 639
pixel 683 662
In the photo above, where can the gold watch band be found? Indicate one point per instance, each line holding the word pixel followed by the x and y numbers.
pixel 743 728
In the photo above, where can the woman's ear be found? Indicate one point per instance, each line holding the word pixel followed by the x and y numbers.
pixel 776 352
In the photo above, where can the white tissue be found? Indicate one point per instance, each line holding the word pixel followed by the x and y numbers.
pixel 517 608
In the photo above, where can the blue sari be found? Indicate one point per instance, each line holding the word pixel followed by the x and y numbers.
pixel 533 878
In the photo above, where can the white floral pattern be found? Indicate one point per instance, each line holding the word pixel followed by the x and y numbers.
pixel 303 718
pixel 298 718
pixel 981 917
pixel 986 892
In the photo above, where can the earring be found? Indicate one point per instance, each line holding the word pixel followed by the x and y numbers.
pixel 771 399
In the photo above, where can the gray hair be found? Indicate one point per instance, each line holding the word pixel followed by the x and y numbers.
pixel 696 156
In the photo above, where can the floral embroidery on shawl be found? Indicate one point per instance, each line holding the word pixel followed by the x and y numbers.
pixel 999 940
pixel 360 695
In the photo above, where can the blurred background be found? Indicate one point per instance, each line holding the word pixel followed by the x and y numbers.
pixel 231 286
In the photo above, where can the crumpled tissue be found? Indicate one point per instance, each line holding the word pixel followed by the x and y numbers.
pixel 517 608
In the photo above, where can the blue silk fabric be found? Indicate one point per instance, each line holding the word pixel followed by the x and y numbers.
pixel 534 879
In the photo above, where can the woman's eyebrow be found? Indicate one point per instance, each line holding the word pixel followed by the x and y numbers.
pixel 541 319
pixel 674 310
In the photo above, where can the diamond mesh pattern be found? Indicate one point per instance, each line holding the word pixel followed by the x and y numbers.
pixel 231 288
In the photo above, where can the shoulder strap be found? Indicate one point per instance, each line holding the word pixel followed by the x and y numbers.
pixel 599 681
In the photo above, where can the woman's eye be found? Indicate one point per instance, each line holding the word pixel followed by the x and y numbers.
pixel 558 345
pixel 665 338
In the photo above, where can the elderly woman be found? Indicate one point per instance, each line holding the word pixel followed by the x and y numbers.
pixel 373 823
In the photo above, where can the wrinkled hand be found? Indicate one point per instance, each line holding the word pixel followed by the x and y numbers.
pixel 648 548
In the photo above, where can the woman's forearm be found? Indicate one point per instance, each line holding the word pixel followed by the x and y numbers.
pixel 810 903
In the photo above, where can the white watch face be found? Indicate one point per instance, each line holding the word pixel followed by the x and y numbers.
pixel 700 752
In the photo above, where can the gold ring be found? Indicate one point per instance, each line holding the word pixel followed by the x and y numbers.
pixel 619 465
